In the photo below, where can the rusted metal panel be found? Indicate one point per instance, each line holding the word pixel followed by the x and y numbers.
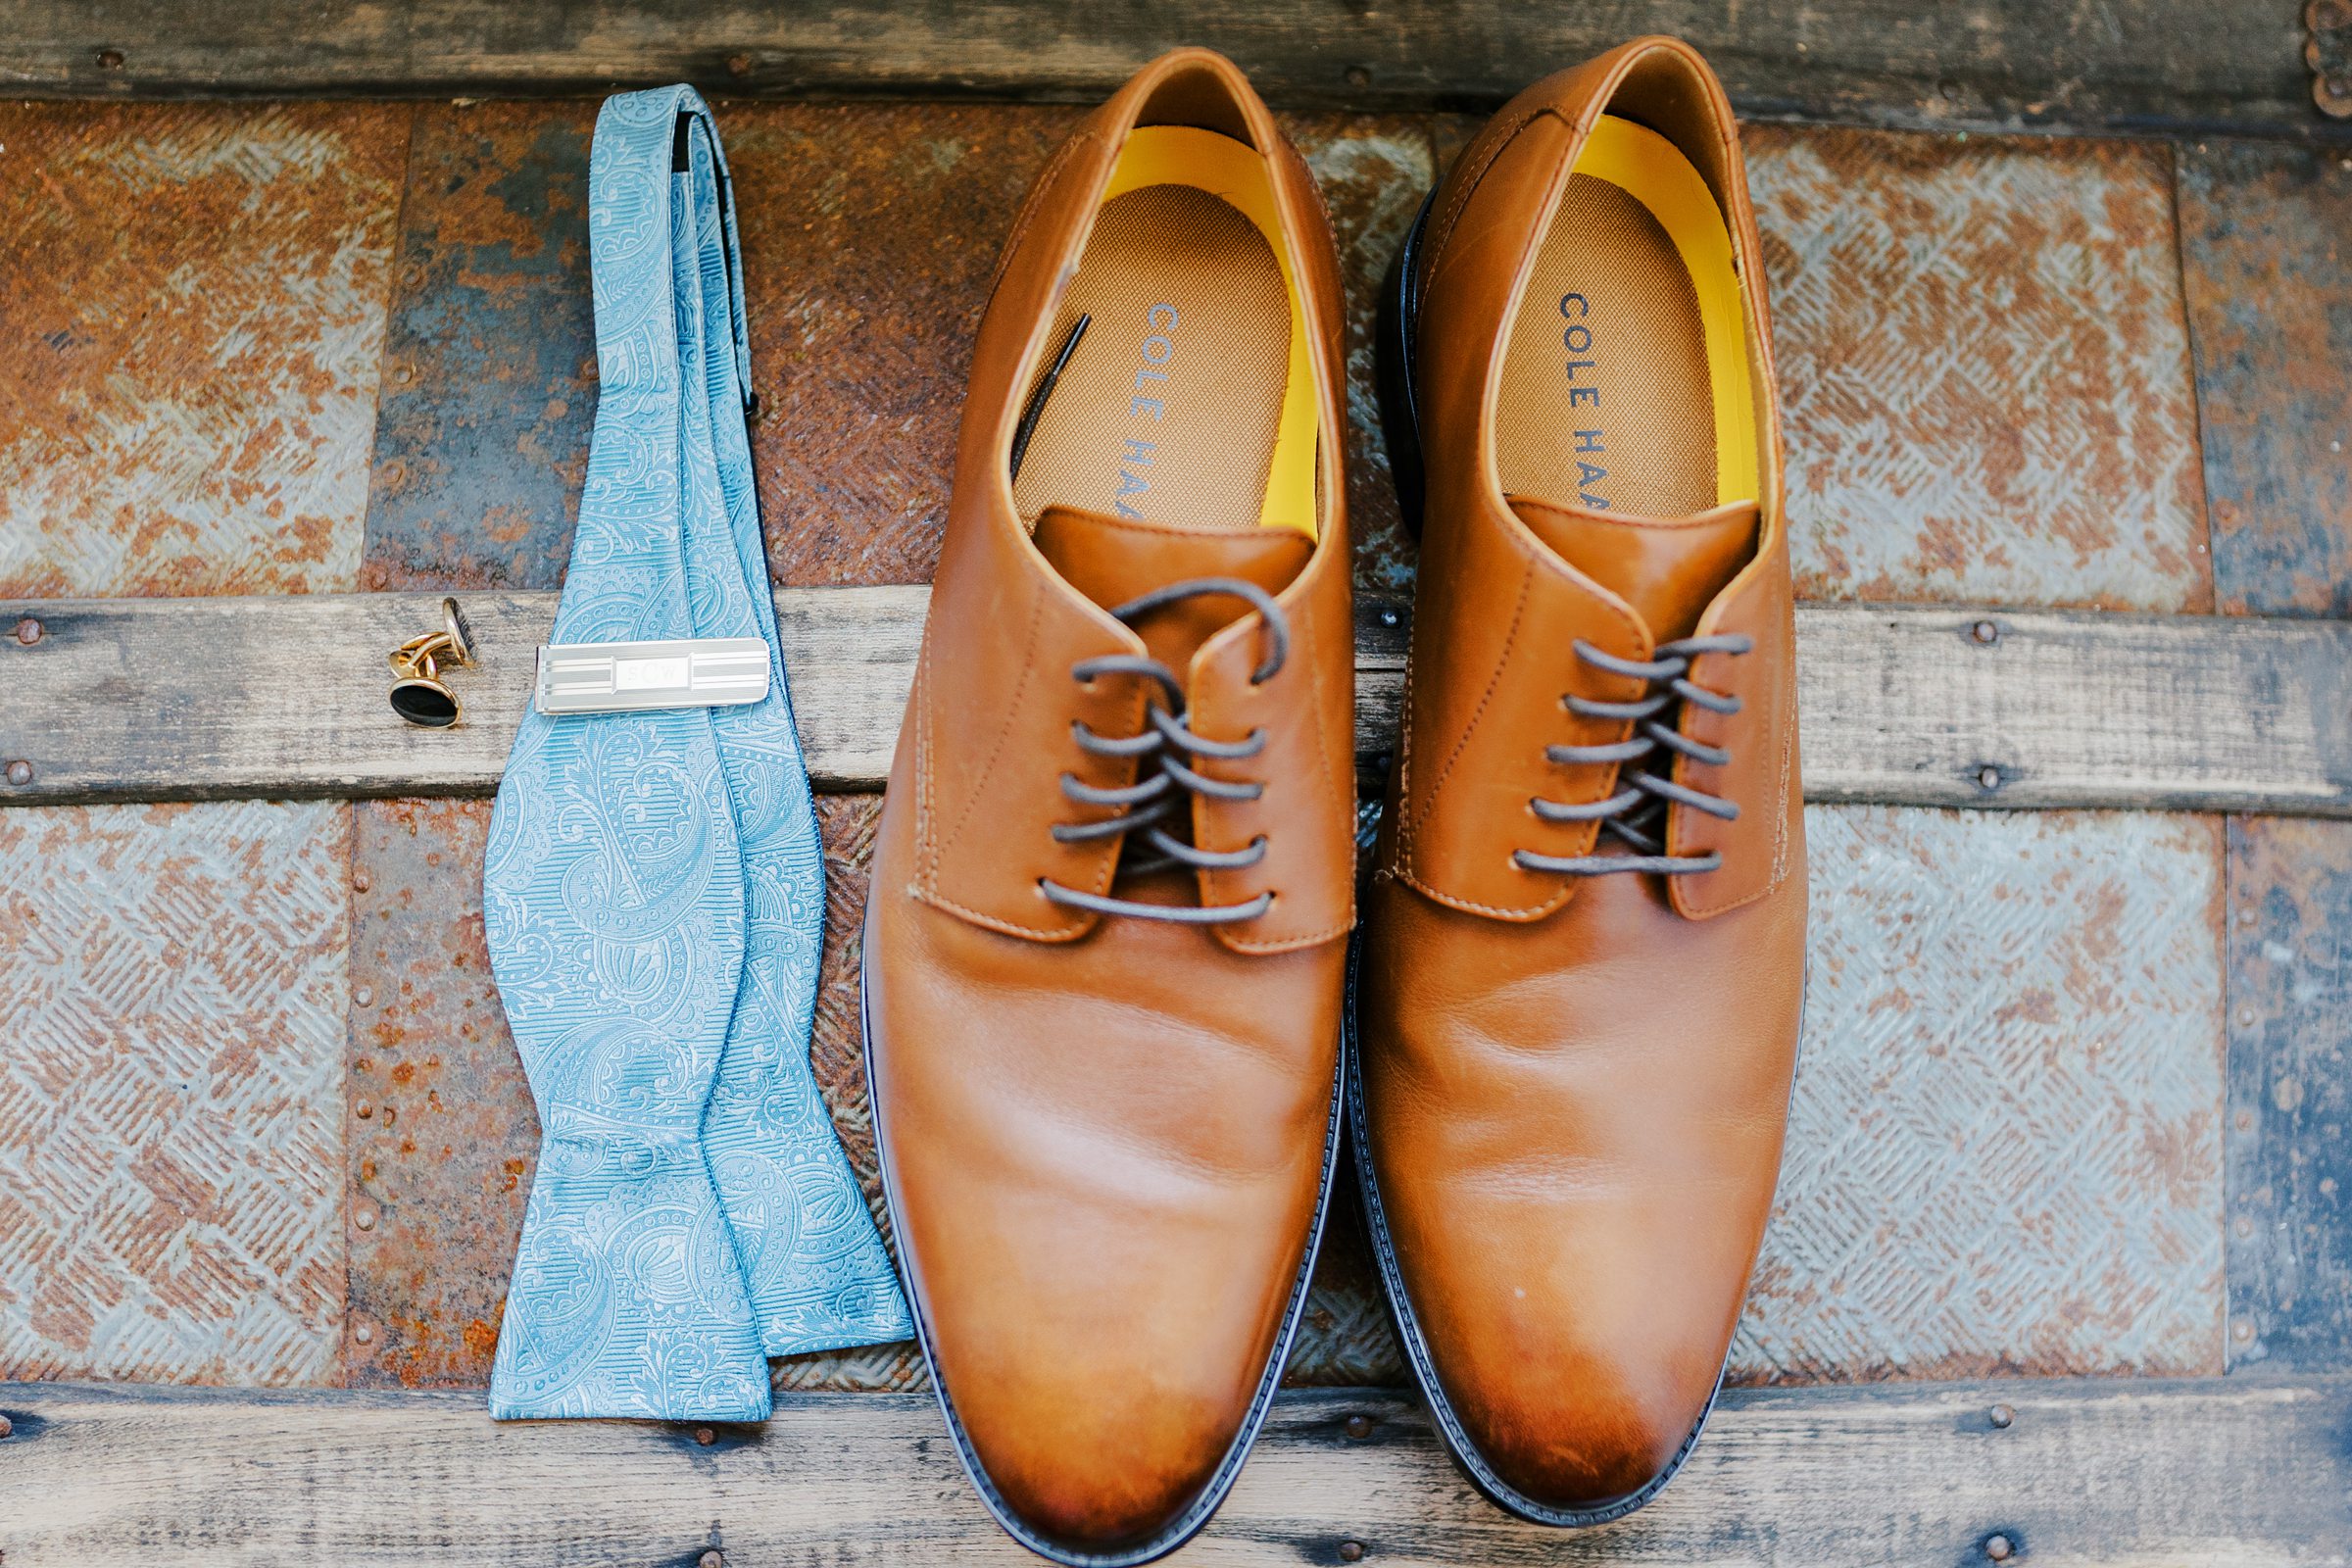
pixel 2004 1152
pixel 490 356
pixel 442 1133
pixel 2290 1093
pixel 171 984
pixel 438 1116
pixel 1984 367
pixel 193 299
pixel 2266 251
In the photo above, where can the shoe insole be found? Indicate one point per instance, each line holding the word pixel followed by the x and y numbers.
pixel 1187 397
pixel 1625 380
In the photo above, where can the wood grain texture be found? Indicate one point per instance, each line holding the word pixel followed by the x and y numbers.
pixel 2129 65
pixel 200 699
pixel 2132 1472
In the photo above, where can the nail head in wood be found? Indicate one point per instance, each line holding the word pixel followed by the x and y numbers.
pixel 739 64
pixel 7 1427
pixel 109 60
pixel 1359 1427
pixel 1988 777
pixel 359 882
pixel 711 1559
pixel 2001 1415
pixel 29 631
pixel 1351 1551
pixel 364 1334
pixel 19 772
pixel 1999 1548
pixel 704 1436
pixel 363 1217
pixel 1986 632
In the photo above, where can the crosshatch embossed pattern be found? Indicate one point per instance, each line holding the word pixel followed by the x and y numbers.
pixel 172 993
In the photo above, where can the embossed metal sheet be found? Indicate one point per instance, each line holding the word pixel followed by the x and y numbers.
pixel 2289 1137
pixel 489 388
pixel 441 1161
pixel 2004 1152
pixel 438 1118
pixel 2266 254
pixel 1985 370
pixel 193 300
pixel 171 992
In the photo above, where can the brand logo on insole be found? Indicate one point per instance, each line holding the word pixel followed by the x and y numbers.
pixel 1151 374
pixel 1576 309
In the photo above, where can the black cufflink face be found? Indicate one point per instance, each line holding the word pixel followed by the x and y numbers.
pixel 419 696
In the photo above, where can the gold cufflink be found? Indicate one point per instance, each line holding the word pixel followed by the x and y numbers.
pixel 419 696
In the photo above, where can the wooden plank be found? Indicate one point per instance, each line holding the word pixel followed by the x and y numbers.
pixel 194 698
pixel 2266 258
pixel 2289 1160
pixel 2129 65
pixel 2080 1472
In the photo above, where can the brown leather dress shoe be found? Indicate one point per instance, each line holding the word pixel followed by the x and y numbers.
pixel 1581 973
pixel 1113 881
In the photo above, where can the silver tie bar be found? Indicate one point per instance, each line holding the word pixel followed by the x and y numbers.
pixel 629 677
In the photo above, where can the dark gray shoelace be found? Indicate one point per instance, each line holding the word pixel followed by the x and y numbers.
pixel 1167 746
pixel 1636 813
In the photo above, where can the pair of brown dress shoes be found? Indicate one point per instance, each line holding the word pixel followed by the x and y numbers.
pixel 1112 1005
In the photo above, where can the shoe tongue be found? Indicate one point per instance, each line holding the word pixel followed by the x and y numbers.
pixel 1111 560
pixel 1669 569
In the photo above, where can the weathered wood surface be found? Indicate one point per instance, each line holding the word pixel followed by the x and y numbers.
pixel 2123 1472
pixel 199 698
pixel 2128 65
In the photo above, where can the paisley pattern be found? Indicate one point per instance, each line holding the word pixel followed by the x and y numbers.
pixel 653 890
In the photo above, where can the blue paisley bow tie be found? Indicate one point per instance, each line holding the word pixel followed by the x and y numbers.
pixel 654 887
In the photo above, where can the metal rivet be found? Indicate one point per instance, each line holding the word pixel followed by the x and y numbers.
pixel 404 376
pixel 711 1559
pixel 2245 1121
pixel 363 1217
pixel 29 631
pixel 363 996
pixel 7 1427
pixel 109 58
pixel 359 882
pixel 2243 1226
pixel 1389 617
pixel 2248 916
pixel 739 64
pixel 1358 77
pixel 2242 1331
pixel 1985 631
pixel 19 772
pixel 387 1115
pixel 364 1334
pixel 1988 777
pixel 363 1109
pixel 1359 1427
pixel 2246 1017
pixel 704 1436
pixel 1351 1551
pixel 1999 1548
pixel 2001 1415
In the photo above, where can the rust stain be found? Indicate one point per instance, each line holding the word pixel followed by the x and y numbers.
pixel 2265 252
pixel 1984 372
pixel 194 299
pixel 489 389
pixel 172 979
